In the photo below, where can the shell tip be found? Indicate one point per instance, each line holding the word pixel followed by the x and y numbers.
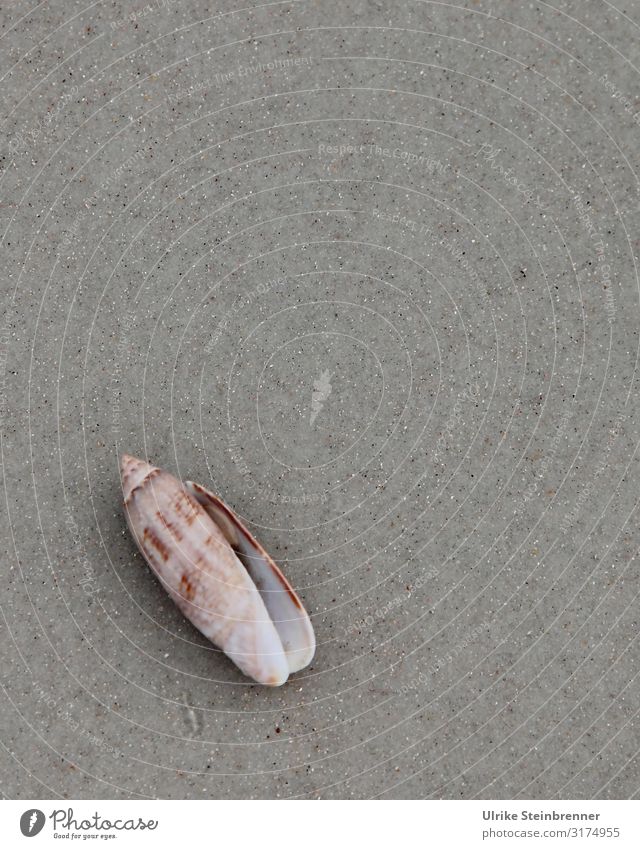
pixel 132 472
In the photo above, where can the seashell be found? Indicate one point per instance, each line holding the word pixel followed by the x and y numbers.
pixel 219 576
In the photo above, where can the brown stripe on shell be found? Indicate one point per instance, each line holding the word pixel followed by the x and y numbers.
pixel 189 514
pixel 287 586
pixel 150 536
pixel 187 590
pixel 173 530
pixel 142 483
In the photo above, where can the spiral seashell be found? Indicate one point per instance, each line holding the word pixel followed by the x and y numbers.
pixel 219 576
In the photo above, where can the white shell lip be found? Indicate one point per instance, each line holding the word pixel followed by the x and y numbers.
pixel 197 551
pixel 289 616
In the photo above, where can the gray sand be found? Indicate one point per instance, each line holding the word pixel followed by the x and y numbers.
pixel 369 272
